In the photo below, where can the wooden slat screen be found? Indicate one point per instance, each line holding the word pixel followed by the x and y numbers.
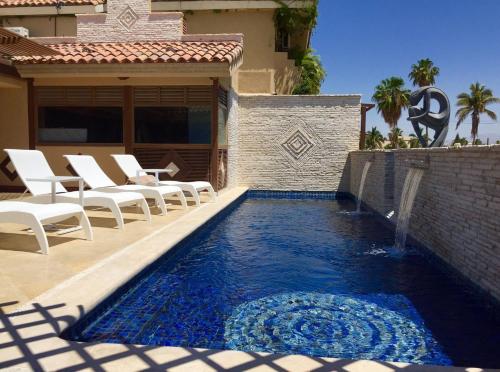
pixel 173 96
pixel 223 97
pixel 79 96
pixel 222 177
pixel 195 164
pixel 199 96
pixel 147 95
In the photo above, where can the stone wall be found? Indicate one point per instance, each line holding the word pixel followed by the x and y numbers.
pixel 296 142
pixel 232 139
pixel 457 208
pixel 128 20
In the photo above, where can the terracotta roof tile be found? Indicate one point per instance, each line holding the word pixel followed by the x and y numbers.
pixel 21 3
pixel 140 52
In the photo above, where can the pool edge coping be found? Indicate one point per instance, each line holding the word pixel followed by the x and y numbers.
pixel 63 305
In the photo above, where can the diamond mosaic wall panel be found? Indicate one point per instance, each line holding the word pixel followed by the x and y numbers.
pixel 299 143
pixel 128 18
pixel 7 168
pixel 172 160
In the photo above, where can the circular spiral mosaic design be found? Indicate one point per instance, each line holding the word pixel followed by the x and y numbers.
pixel 326 325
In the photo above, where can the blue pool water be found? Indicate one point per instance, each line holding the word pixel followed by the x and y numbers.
pixel 299 277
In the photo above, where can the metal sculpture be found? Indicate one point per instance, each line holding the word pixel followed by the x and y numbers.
pixel 437 121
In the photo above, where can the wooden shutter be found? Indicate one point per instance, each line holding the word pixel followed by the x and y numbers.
pixel 79 96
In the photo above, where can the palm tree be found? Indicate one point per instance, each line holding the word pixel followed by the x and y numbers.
pixel 423 73
pixel 312 74
pixel 461 140
pixel 414 142
pixel 396 139
pixel 374 139
pixel 474 104
pixel 391 97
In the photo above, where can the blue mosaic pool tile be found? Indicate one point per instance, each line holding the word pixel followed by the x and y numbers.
pixel 298 195
pixel 265 276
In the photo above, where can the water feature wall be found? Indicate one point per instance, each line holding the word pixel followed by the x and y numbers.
pixel 359 198
pixel 456 209
pixel 408 195
pixel 293 143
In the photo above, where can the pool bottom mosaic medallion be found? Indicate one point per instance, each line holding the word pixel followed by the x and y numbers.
pixel 334 325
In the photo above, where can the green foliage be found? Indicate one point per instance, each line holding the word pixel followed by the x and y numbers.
pixel 461 140
pixel 477 142
pixel 414 142
pixel 295 20
pixel 374 139
pixel 396 139
pixel 423 73
pixel 474 104
pixel 391 97
pixel 312 74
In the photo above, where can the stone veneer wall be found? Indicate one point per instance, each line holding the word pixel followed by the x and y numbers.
pixel 457 208
pixel 294 142
pixel 129 20
pixel 232 140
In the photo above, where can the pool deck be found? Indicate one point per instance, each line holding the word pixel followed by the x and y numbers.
pixel 55 291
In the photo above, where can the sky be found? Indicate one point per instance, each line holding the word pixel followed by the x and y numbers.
pixel 361 42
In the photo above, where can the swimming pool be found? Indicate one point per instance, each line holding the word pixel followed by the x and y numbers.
pixel 300 277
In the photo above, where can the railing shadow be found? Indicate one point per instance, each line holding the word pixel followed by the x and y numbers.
pixel 16 351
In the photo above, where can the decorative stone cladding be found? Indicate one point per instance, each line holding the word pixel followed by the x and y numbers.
pixel 129 20
pixel 294 142
pixel 232 138
pixel 379 188
pixel 457 209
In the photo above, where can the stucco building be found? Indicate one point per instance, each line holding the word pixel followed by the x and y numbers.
pixel 161 80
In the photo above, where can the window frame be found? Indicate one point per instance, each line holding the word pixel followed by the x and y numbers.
pixel 39 103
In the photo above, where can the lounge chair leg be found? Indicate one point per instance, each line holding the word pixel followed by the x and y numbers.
pixel 161 204
pixel 196 196
pixel 117 213
pixel 84 222
pixel 145 209
pixel 213 195
pixel 40 235
pixel 182 198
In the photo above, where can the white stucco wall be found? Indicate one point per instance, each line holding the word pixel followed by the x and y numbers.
pixel 293 142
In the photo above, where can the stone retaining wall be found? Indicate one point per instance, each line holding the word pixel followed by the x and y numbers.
pixel 457 209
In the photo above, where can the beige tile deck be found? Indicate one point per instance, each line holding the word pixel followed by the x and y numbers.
pixel 25 273
pixel 81 274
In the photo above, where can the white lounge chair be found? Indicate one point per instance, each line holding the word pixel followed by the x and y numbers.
pixel 93 175
pixel 36 215
pixel 129 165
pixel 31 164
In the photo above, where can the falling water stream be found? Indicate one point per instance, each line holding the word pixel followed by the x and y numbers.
pixel 410 189
pixel 359 200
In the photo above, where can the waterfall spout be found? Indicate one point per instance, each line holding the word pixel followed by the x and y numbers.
pixel 410 189
pixel 359 198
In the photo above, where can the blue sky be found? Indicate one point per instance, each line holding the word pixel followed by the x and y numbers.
pixel 362 42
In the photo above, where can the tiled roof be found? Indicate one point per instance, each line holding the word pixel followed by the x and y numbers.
pixel 27 3
pixel 140 52
pixel 16 3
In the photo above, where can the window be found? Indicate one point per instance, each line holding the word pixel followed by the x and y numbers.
pixel 80 125
pixel 282 41
pixel 173 125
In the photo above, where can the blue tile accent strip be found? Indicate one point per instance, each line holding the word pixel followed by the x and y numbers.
pixel 304 195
